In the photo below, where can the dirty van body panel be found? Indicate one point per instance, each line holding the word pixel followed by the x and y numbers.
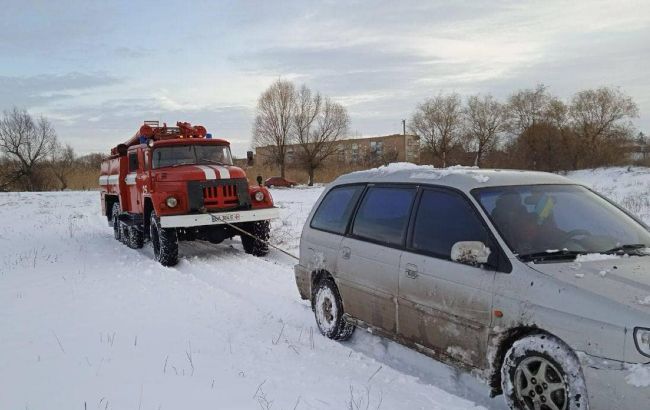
pixel 318 252
pixel 367 280
pixel 529 298
pixel 446 306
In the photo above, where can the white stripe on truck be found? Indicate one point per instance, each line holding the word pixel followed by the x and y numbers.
pixel 109 179
pixel 207 171
pixel 130 178
pixel 223 172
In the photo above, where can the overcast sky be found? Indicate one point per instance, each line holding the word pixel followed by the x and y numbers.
pixel 98 69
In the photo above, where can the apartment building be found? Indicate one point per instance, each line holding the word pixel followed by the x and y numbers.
pixel 370 151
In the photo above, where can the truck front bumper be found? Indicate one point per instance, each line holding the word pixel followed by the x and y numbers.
pixel 220 218
pixel 609 385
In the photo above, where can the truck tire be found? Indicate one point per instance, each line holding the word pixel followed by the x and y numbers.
pixel 115 213
pixel 541 371
pixel 136 238
pixel 328 310
pixel 259 229
pixel 164 242
pixel 124 233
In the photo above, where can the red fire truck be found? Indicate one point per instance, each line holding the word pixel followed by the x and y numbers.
pixel 169 184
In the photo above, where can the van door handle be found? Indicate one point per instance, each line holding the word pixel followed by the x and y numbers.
pixel 345 253
pixel 411 271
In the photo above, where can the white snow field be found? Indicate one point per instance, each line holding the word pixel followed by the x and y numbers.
pixel 87 323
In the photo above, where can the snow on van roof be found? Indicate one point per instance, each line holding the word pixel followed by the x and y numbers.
pixel 458 176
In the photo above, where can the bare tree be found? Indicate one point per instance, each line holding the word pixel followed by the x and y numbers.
pixel 62 163
pixel 598 117
pixel 439 122
pixel 486 119
pixel 528 109
pixel 273 121
pixel 319 124
pixel 27 143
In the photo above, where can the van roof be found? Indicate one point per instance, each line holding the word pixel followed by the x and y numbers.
pixel 459 177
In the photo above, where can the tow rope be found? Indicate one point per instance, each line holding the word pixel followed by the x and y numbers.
pixel 267 243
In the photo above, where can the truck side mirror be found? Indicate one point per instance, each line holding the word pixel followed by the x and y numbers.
pixel 470 253
pixel 250 160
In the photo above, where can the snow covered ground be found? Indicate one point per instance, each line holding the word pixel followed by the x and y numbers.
pixel 86 323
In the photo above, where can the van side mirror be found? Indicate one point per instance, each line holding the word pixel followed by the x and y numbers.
pixel 250 160
pixel 470 253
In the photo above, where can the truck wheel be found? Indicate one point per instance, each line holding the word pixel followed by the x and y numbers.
pixel 136 238
pixel 124 233
pixel 117 232
pixel 259 229
pixel 542 372
pixel 165 243
pixel 328 309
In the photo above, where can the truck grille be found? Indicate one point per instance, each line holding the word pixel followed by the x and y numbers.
pixel 218 195
pixel 221 196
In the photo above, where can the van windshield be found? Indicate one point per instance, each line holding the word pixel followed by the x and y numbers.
pixel 560 220
pixel 191 154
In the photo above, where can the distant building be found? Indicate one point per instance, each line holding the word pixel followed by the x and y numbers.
pixel 362 151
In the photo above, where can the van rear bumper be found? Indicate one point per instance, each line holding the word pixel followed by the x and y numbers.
pixel 303 281
pixel 220 218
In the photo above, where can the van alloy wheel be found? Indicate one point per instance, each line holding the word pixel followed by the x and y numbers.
pixel 541 372
pixel 539 385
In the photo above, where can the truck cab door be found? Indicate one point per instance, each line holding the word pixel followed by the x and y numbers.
pixel 143 181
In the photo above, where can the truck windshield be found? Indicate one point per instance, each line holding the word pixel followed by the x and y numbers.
pixel 191 154
pixel 560 220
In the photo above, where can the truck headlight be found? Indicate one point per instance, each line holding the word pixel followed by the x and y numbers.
pixel 642 340
pixel 259 196
pixel 171 202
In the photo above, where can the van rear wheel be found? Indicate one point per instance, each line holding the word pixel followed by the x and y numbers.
pixel 164 242
pixel 328 309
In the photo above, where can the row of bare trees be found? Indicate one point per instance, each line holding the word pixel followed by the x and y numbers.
pixel 288 115
pixel 31 156
pixel 531 129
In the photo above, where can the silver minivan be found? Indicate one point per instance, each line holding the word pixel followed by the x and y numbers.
pixel 535 283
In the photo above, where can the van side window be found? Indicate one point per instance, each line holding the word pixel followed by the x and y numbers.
pixel 442 219
pixel 334 211
pixel 133 161
pixel 384 214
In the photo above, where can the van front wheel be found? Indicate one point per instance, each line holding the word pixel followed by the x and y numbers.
pixel 542 372
pixel 328 309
